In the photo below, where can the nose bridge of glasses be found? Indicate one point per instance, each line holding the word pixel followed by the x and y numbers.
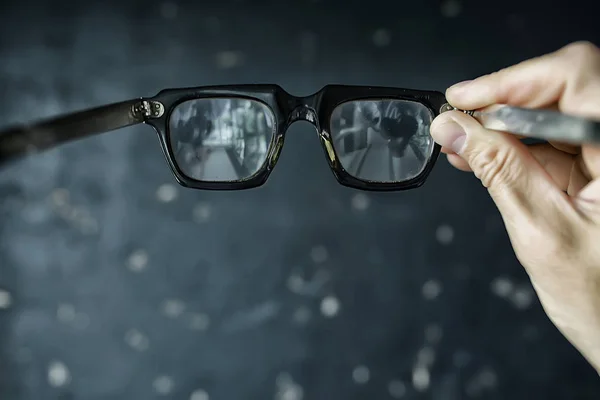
pixel 303 109
pixel 303 113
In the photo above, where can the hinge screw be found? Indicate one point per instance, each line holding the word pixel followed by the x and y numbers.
pixel 152 109
pixel 448 107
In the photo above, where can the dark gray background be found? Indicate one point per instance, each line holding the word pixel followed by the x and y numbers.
pixel 115 283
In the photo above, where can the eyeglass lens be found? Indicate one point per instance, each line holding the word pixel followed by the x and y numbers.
pixel 382 140
pixel 227 139
pixel 220 139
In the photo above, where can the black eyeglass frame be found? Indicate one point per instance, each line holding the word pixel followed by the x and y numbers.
pixel 286 109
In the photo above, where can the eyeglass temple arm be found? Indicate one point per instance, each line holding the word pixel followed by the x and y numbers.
pixel 19 141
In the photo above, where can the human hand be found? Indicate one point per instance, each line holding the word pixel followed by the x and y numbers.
pixel 548 194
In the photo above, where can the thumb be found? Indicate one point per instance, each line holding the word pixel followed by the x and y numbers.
pixel 591 159
pixel 518 184
pixel 588 199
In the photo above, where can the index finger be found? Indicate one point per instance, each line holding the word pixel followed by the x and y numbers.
pixel 568 78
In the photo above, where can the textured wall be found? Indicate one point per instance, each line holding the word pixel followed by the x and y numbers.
pixel 116 283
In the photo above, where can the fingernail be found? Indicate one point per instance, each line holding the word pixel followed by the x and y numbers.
pixel 451 135
pixel 460 85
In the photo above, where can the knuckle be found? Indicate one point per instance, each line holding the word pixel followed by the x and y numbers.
pixel 583 52
pixel 496 166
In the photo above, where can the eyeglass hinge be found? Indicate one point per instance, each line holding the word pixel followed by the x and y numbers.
pixel 145 109
pixel 448 107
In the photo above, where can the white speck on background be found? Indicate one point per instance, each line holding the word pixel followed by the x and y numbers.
pixel 382 37
pixel 199 322
pixel 502 287
pixel 202 212
pixel 432 289
pixel 319 254
pixel 166 193
pixel 199 394
pixel 397 389
pixel 138 260
pixel 58 374
pixel 5 299
pixel 361 374
pixel 360 202
pixel 229 59
pixel 522 298
pixel 169 10
pixel 330 306
pixel 137 340
pixel 173 308
pixel 66 313
pixel 420 378
pixel 444 234
pixel 163 385
pixel 451 8
pixel 302 315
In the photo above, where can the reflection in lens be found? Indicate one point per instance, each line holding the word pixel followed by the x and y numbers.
pixel 220 140
pixel 382 140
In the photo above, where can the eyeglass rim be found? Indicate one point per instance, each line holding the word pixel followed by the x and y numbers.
pixel 282 105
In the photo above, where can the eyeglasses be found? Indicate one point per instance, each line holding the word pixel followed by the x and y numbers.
pixel 230 137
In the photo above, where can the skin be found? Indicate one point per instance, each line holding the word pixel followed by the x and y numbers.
pixel 548 195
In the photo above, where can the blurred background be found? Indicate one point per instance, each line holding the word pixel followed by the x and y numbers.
pixel 116 283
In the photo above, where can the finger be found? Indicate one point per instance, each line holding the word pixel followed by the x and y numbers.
pixel 567 148
pixel 580 177
pixel 567 77
pixel 459 163
pixel 591 159
pixel 557 164
pixel 518 184
pixel 456 161
pixel 587 202
pixel 564 168
pixel 588 198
